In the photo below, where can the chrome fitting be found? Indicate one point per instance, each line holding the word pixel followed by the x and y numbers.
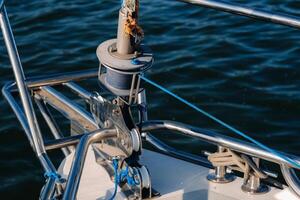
pixel 253 185
pixel 220 175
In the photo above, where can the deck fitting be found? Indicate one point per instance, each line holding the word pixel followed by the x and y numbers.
pixel 253 185
pixel 220 175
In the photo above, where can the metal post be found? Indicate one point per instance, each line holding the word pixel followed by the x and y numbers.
pixel 124 43
pixel 220 175
pixel 253 184
pixel 24 94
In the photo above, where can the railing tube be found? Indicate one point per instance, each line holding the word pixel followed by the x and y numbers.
pixel 63 142
pixel 79 159
pixel 78 90
pixel 217 139
pixel 48 190
pixel 24 94
pixel 291 178
pixel 170 151
pixel 59 78
pixel 17 110
pixel 51 123
pixel 248 12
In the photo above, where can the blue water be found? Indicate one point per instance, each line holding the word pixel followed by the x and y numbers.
pixel 241 71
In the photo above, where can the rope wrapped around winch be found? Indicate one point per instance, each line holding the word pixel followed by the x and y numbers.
pixel 234 161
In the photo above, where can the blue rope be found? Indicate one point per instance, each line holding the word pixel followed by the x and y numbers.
pixel 124 175
pixel 52 175
pixel 116 166
pixel 135 61
pixel 287 159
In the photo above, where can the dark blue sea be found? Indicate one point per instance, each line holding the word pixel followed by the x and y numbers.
pixel 244 72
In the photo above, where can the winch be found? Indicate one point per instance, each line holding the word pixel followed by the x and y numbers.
pixel 123 59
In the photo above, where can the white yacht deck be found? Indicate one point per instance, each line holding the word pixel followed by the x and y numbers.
pixel 174 179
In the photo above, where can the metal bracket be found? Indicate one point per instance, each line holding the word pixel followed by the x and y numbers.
pixel 108 115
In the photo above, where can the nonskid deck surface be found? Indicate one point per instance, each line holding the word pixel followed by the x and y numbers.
pixel 173 178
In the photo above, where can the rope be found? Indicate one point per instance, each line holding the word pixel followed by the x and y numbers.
pixel 287 159
pixel 52 175
pixel 116 166
pixel 239 163
pixel 124 175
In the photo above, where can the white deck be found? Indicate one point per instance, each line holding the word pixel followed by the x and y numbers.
pixel 174 179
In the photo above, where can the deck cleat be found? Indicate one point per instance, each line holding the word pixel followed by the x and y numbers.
pixel 253 185
pixel 220 175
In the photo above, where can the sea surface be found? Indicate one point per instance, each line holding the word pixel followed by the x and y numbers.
pixel 244 72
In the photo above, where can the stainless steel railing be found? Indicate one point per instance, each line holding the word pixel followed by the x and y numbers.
pixel 204 135
pixel 32 126
pixel 79 159
pixel 20 82
pixel 207 136
pixel 217 139
pixel 26 114
pixel 236 9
